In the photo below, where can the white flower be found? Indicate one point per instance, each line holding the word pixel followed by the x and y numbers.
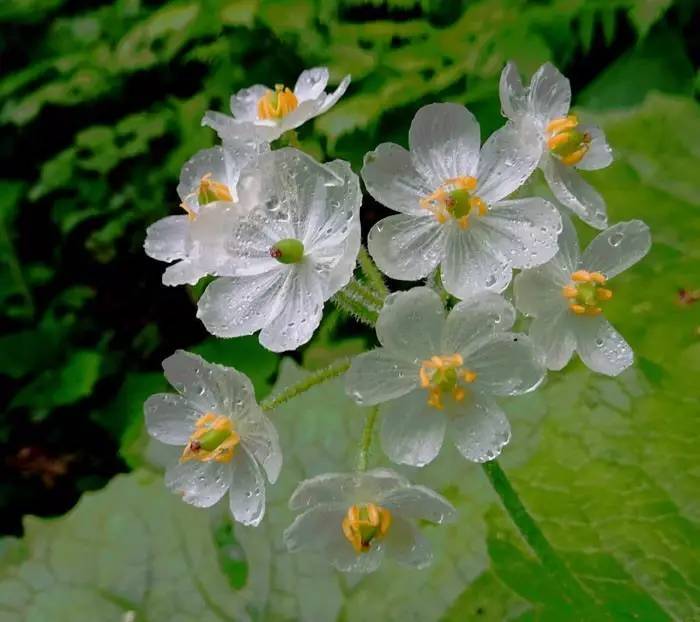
pixel 207 189
pixel 566 297
pixel 226 438
pixel 451 199
pixel 434 373
pixel 264 114
pixel 355 519
pixel 296 248
pixel 543 109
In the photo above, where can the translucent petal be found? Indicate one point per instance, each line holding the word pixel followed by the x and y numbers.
pixel 406 247
pixel 311 83
pixel 332 98
pixel 513 94
pixel 471 265
pixel 508 158
pixel 480 430
pixel 410 323
pixel 183 272
pixel 316 529
pixel 539 291
pixel 550 93
pixel 341 554
pixel 301 114
pixel 573 192
pixel 407 545
pixel 392 179
pixel 617 248
pixel 229 128
pixel 552 333
pixel 262 441
pixel 167 238
pixel 475 318
pixel 209 162
pixel 599 153
pixel 418 502
pixel 380 375
pixel 523 230
pixel 601 347
pixel 247 492
pixel 506 364
pixel 244 103
pixel 444 141
pixel 170 418
pixel 412 432
pixel 186 372
pixel 200 484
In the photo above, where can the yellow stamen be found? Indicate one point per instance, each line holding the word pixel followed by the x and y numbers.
pixel 454 200
pixel 207 191
pixel 585 292
pixel 581 276
pixel 442 374
pixel 363 524
pixel 277 104
pixel 566 141
pixel 603 293
pixel 214 438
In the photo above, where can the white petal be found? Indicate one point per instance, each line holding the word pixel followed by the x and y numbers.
pixel 475 318
pixel 311 83
pixel 201 484
pixel 482 431
pixel 247 492
pixel 508 158
pixel 617 248
pixel 599 154
pixel 261 439
pixel 170 418
pixel 205 162
pixel 167 238
pixel 380 375
pixel 407 545
pixel 506 364
pixel 552 333
pixel 392 179
pixel 513 94
pixel 550 93
pixel 601 347
pixel 471 265
pixel 187 373
pixel 573 192
pixel 315 530
pixel 301 114
pixel 341 554
pixel 185 272
pixel 524 230
pixel 406 247
pixel 231 307
pixel 444 141
pixel 230 129
pixel 410 323
pixel 332 98
pixel 244 104
pixel 298 310
pixel 539 291
pixel 412 432
pixel 418 502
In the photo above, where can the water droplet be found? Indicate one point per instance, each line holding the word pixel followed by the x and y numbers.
pixel 615 239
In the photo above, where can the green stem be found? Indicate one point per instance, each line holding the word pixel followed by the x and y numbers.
pixel 366 441
pixel 355 307
pixel 335 369
pixel 372 274
pixel 368 295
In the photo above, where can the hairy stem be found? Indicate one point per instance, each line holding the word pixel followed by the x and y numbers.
pixel 372 274
pixel 354 306
pixel 335 369
pixel 366 294
pixel 366 440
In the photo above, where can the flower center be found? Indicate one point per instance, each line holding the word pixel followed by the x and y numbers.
pixel 454 199
pixel 585 292
pixel 444 374
pixel 566 142
pixel 207 192
pixel 276 104
pixel 289 250
pixel 213 439
pixel 365 523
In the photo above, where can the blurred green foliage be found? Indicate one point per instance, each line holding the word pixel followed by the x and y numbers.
pixel 100 105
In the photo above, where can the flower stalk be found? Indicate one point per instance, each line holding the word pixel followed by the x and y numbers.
pixel 366 441
pixel 372 274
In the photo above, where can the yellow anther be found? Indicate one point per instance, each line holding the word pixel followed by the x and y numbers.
pixel 566 141
pixel 603 294
pixel 561 124
pixel 276 104
pixel 578 309
pixel 453 200
pixel 365 523
pixel 585 292
pixel 469 376
pixel 444 374
pixel 581 276
pixel 597 277
pixel 214 438
pixel 569 291
pixel 207 191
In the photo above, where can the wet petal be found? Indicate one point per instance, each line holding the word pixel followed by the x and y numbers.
pixel 380 375
pixel 550 93
pixel 209 162
pixel 601 347
pixel 412 432
pixel 244 103
pixel 418 502
pixel 410 323
pixel 311 83
pixel 392 179
pixel 539 291
pixel 316 529
pixel 332 98
pixel 513 94
pixel 341 554
pixel 444 141
pixel 187 373
pixel 552 333
pixel 170 418
pixel 261 438
pixel 406 247
pixel 617 248
pixel 599 153
pixel 200 484
pixel 480 430
pixel 247 492
pixel 168 238
pixel 407 545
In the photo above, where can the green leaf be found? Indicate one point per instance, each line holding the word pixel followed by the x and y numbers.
pixel 132 547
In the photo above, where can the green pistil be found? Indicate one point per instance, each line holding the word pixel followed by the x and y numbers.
pixel 445 379
pixel 289 250
pixel 586 294
pixel 575 139
pixel 211 439
pixel 459 203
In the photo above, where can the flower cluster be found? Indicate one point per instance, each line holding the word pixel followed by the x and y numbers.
pixel 280 232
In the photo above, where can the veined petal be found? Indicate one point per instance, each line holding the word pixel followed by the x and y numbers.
pixel 407 545
pixel 412 432
pixel 244 103
pixel 392 179
pixel 617 248
pixel 301 114
pixel 332 98
pixel 539 291
pixel 311 83
pixel 316 529
pixel 341 554
pixel 247 491
pixel 230 129
pixel 601 347
pixel 573 192
pixel 167 239
pixel 599 154
pixel 406 247
pixel 261 438
pixel 506 364
pixel 188 374
pixel 199 483
pixel 513 94
pixel 549 93
pixel 410 323
pixel 170 418
pixel 207 162
pixel 480 429
pixel 444 141
pixel 418 502
pixel 552 333
pixel 183 272
pixel 380 375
